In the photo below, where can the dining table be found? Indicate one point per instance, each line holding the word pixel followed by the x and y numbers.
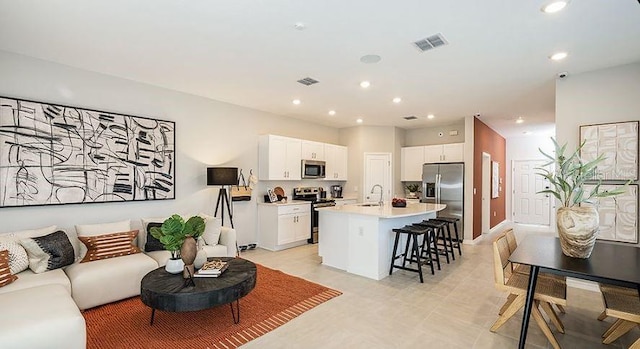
pixel 609 263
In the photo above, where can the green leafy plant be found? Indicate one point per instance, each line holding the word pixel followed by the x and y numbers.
pixel 570 175
pixel 175 230
pixel 412 187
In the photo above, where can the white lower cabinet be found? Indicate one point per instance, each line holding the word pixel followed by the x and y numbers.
pixel 283 226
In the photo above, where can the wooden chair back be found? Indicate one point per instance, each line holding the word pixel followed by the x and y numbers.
pixel 511 239
pixel 501 262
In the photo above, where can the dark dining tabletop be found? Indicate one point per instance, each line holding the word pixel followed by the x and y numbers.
pixel 609 263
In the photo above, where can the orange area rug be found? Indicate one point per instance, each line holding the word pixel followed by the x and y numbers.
pixel 276 299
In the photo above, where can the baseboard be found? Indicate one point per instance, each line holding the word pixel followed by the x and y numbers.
pixel 473 242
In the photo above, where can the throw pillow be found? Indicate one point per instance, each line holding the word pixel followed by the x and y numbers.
pixel 152 243
pixel 24 234
pixel 109 245
pixel 5 272
pixel 18 259
pixel 213 227
pixel 49 252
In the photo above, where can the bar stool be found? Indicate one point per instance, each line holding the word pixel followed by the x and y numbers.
pixel 454 222
pixel 438 227
pixel 412 256
pixel 430 247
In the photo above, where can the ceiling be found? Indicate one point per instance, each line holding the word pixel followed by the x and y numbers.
pixel 249 53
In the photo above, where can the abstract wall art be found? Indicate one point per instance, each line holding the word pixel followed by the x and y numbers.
pixel 618 214
pixel 53 154
pixel 619 144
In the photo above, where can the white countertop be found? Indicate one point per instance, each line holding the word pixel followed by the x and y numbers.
pixel 290 202
pixel 385 211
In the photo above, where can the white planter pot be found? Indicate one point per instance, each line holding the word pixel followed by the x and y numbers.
pixel 578 228
pixel 174 266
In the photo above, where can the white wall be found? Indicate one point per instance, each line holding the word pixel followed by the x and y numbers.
pixel 430 136
pixel 601 96
pixel 208 133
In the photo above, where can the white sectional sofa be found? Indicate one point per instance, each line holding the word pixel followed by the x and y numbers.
pixel 44 310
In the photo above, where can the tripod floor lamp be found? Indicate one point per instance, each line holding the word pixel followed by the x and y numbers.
pixel 223 176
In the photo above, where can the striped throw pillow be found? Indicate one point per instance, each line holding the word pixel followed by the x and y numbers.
pixel 109 245
pixel 5 271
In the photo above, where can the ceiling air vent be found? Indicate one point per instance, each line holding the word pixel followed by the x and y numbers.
pixel 308 81
pixel 431 42
pixel 411 117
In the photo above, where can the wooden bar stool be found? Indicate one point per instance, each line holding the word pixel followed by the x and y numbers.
pixel 412 252
pixel 430 247
pixel 438 227
pixel 454 222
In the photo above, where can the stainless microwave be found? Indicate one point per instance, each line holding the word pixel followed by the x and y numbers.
pixel 313 169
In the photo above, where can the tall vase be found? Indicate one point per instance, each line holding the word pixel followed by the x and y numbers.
pixel 188 253
pixel 578 228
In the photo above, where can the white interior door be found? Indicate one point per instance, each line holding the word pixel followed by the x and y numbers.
pixel 529 207
pixel 377 170
pixel 486 192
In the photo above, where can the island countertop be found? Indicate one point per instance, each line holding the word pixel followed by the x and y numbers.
pixel 384 211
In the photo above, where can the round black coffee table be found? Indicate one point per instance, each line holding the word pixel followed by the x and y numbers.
pixel 169 292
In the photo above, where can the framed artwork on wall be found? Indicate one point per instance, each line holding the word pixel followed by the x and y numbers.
pixel 618 142
pixel 51 154
pixel 618 214
pixel 495 179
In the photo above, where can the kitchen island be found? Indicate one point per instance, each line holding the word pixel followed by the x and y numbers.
pixel 359 238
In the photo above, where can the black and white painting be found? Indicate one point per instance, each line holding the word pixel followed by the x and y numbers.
pixel 53 154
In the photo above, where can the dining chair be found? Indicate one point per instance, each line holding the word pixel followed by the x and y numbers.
pixel 525 269
pixel 624 304
pixel 548 291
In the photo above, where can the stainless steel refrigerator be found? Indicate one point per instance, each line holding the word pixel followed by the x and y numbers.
pixel 444 184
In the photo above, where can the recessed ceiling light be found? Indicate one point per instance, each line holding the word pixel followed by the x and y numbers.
pixel 332 112
pixel 526 133
pixel 397 100
pixel 554 6
pixel 430 116
pixel 365 84
pixel 359 121
pixel 370 59
pixel 299 26
pixel 558 56
pixel 296 101
pixel 519 120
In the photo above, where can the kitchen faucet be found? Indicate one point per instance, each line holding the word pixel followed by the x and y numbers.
pixel 381 193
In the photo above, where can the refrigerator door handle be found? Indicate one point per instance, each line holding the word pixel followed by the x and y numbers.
pixel 438 178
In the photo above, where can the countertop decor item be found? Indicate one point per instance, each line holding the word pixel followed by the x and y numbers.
pixel 178 236
pixel 399 202
pixel 412 188
pixel 577 220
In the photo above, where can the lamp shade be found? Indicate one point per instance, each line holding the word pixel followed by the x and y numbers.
pixel 222 175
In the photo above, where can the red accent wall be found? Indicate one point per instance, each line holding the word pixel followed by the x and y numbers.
pixel 489 141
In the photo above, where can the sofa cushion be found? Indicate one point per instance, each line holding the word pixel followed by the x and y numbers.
pixel 18 258
pixel 108 280
pixel 215 250
pixel 109 245
pixel 49 252
pixel 29 279
pixel 212 229
pixel 41 317
pixel 153 244
pixel 100 229
pixel 5 270
pixel 161 257
pixel 24 234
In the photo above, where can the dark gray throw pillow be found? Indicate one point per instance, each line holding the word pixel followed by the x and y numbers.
pixel 49 252
pixel 152 243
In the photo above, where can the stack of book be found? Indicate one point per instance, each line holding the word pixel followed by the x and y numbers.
pixel 212 269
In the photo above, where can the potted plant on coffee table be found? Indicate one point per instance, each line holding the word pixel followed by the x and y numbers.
pixel 577 219
pixel 179 237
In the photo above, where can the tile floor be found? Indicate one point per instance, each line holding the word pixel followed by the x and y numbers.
pixel 453 309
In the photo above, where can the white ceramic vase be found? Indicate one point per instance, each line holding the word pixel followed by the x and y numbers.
pixel 201 259
pixel 174 266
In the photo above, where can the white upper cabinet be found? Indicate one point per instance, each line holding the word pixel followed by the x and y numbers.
pixel 453 152
pixel 336 161
pixel 412 159
pixel 313 150
pixel 279 158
